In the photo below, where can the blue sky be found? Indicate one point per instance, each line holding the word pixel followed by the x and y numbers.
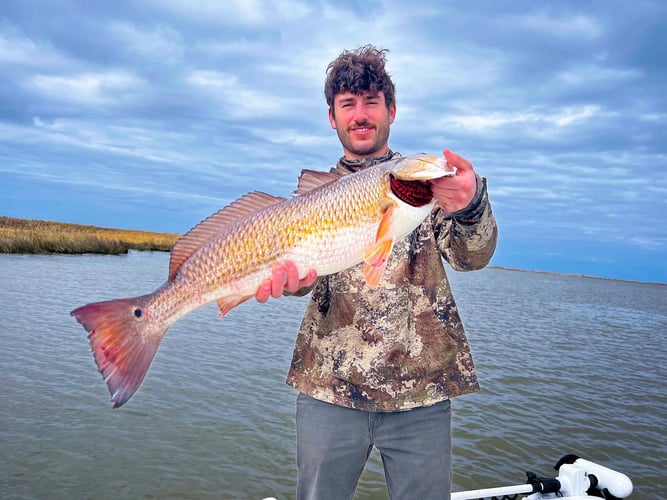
pixel 153 114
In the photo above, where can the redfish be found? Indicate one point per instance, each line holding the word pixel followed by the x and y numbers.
pixel 332 223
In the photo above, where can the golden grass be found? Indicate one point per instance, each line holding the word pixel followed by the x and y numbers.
pixel 37 236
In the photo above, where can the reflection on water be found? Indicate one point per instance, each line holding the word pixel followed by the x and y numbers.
pixel 567 365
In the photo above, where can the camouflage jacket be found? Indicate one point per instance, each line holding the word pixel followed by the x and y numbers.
pixel 400 345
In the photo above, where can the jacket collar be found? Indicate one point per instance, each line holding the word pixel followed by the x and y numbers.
pixel 350 166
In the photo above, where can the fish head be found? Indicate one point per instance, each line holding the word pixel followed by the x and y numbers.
pixel 409 176
pixel 422 167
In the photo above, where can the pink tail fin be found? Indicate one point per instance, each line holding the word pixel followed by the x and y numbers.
pixel 124 342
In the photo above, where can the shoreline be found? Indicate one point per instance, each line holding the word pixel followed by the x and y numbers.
pixel 574 275
pixel 31 236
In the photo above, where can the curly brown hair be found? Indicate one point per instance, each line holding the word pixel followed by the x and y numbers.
pixel 359 71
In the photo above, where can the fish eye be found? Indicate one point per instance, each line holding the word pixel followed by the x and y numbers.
pixel 138 313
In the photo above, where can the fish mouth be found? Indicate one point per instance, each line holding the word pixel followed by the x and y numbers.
pixel 415 193
pixel 409 177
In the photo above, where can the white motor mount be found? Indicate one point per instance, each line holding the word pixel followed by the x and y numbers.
pixel 578 479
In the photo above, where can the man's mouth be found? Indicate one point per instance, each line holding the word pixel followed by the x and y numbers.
pixel 362 129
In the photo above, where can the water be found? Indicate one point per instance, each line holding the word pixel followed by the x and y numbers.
pixel 567 365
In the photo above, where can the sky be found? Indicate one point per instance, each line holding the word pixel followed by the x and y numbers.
pixel 153 114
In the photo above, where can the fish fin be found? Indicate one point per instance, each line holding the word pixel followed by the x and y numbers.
pixel 312 179
pixel 385 222
pixel 376 261
pixel 228 303
pixel 122 343
pixel 212 226
pixel 376 256
pixel 372 275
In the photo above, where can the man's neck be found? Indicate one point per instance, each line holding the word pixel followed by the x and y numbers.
pixel 379 153
pixel 354 164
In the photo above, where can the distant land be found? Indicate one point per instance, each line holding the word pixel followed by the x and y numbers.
pixel 587 276
pixel 46 237
pixel 28 236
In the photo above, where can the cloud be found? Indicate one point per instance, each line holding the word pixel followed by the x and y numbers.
pixel 235 13
pixel 554 118
pixel 16 49
pixel 237 100
pixel 88 89
pixel 169 109
pixel 567 25
pixel 160 43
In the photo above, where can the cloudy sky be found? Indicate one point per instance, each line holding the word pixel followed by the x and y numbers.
pixel 152 114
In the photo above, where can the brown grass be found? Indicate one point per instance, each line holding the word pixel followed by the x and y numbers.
pixel 37 236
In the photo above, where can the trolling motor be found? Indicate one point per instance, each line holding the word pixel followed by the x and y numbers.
pixel 579 476
pixel 577 479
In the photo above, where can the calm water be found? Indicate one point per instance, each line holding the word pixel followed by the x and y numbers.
pixel 568 365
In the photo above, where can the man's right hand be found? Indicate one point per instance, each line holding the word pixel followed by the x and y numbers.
pixel 285 278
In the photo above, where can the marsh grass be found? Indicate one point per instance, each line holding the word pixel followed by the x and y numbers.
pixel 39 237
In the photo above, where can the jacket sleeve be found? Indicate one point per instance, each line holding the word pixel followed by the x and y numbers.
pixel 467 238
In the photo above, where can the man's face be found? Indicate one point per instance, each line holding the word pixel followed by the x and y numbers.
pixel 362 123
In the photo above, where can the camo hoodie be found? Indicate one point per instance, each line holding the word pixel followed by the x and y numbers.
pixel 400 345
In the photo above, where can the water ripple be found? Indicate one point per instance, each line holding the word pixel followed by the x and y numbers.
pixel 567 365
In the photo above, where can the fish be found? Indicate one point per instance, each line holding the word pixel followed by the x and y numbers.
pixel 331 223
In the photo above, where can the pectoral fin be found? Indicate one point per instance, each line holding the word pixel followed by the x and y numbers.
pixel 376 261
pixel 385 223
pixel 376 256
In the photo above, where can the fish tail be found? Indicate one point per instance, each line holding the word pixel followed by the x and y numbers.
pixel 124 340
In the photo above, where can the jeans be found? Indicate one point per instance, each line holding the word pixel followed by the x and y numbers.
pixel 334 443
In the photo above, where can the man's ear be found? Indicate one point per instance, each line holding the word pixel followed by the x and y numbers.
pixel 392 113
pixel 332 118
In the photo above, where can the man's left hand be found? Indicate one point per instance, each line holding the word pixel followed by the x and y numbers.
pixel 284 278
pixel 455 193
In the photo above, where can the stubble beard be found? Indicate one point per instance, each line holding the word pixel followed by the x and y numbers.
pixel 364 149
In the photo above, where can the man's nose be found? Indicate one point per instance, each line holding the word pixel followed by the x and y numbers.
pixel 360 112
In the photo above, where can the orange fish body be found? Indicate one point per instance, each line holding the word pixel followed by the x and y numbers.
pixel 333 223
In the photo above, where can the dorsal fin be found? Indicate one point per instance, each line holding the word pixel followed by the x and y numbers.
pixel 212 226
pixel 312 179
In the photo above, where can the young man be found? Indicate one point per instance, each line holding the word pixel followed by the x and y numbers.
pixel 377 367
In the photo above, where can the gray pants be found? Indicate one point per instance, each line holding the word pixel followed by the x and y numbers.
pixel 334 443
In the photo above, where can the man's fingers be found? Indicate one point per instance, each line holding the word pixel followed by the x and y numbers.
pixel 457 160
pixel 264 291
pixel 284 277
pixel 278 284
pixel 310 278
pixel 292 272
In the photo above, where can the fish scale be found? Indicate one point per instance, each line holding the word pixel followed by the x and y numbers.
pixel 332 223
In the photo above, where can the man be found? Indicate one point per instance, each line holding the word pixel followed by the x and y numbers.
pixel 377 367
